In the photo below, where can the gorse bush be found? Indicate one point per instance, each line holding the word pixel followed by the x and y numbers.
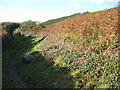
pixel 25 27
pixel 10 27
pixel 29 27
pixel 7 34
pixel 28 24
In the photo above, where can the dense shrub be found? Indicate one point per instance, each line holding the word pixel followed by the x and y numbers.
pixel 10 27
pixel 29 27
pixel 7 34
pixel 28 24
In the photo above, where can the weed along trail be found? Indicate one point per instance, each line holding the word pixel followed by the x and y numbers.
pixel 18 83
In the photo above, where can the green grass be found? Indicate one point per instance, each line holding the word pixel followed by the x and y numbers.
pixel 41 71
pixel 98 70
pixel 61 68
pixel 7 56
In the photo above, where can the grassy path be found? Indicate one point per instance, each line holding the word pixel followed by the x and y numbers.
pixel 18 83
pixel 13 73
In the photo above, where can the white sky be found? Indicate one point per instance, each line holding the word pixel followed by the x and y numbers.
pixel 42 10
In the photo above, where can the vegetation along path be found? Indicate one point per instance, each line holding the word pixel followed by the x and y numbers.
pixel 13 71
pixel 80 52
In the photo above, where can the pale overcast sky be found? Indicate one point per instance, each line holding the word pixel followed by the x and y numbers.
pixel 42 10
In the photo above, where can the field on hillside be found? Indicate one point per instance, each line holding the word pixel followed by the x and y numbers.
pixel 79 52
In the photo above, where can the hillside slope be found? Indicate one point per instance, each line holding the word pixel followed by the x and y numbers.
pixel 80 52
pixel 52 21
pixel 89 29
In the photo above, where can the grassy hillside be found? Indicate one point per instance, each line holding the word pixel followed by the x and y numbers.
pixel 79 52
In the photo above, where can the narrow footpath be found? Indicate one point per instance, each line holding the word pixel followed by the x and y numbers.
pixel 18 83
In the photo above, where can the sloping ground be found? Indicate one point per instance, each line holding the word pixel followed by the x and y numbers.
pixel 52 21
pixel 85 31
pixel 11 45
pixel 95 34
pixel 80 52
pixel 102 19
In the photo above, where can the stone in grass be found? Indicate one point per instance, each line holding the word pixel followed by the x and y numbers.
pixel 28 58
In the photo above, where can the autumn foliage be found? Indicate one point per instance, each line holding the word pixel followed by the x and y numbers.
pixel 102 25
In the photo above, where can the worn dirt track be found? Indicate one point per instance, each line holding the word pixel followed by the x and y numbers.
pixel 18 83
